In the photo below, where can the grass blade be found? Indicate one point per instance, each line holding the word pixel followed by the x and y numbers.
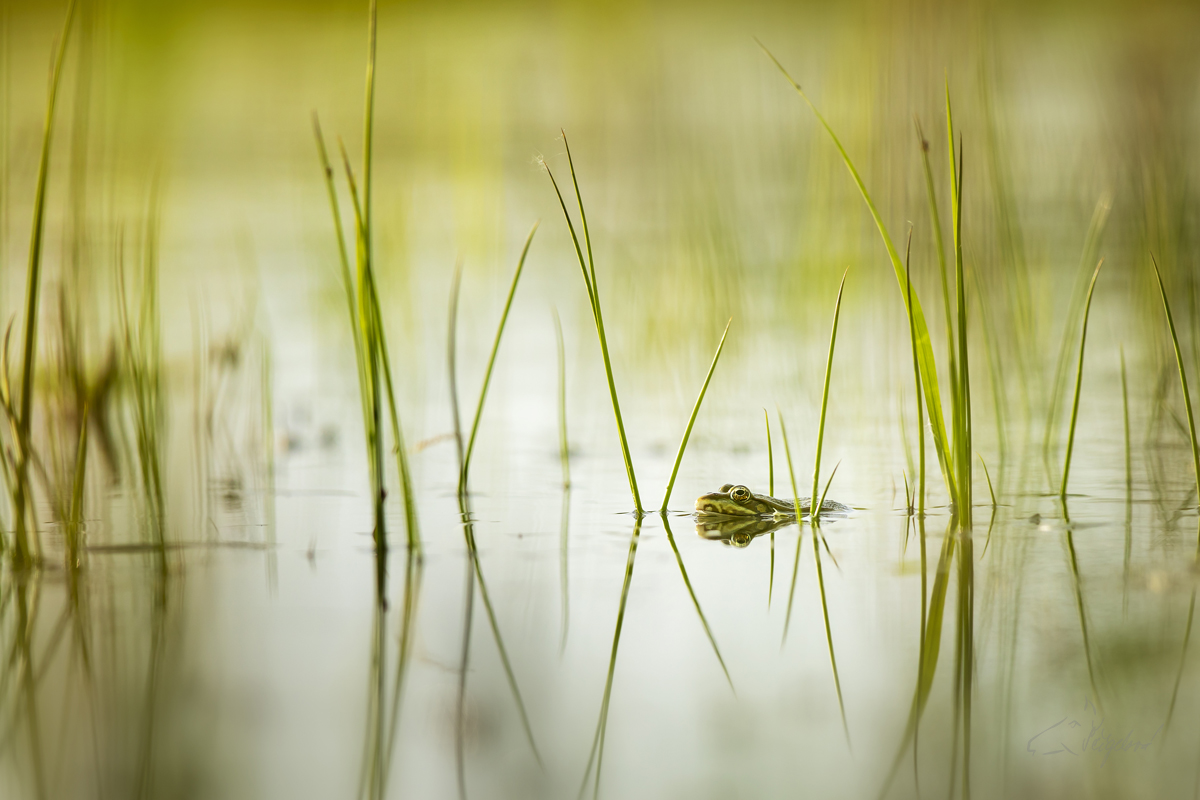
pixel 23 553
pixel 589 278
pixel 1187 397
pixel 837 310
pixel 687 432
pixel 912 336
pixel 564 449
pixel 987 475
pixel 1087 308
pixel 929 380
pixel 961 401
pixel 487 375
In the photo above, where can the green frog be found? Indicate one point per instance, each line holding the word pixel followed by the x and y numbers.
pixel 739 531
pixel 735 500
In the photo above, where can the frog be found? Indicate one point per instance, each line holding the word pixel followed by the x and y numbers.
pixel 736 500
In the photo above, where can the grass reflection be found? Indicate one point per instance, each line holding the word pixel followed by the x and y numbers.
pixel 695 601
pixel 596 754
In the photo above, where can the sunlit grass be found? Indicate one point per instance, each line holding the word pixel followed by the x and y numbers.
pixel 26 546
pixel 687 432
pixel 1087 309
pixel 487 375
pixel 949 451
pixel 588 268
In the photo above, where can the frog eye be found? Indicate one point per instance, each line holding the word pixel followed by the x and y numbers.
pixel 739 493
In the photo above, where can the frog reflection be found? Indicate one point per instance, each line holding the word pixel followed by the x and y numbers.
pixel 739 531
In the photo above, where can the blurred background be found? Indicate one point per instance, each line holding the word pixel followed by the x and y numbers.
pixel 188 236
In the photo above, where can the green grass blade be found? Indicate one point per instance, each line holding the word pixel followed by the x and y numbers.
pixel 695 601
pixel 564 448
pixel 961 401
pixel 1187 396
pixel 401 451
pixel 988 476
pixel 1087 308
pixel 1091 247
pixel 912 335
pixel 487 375
pixel 925 347
pixel 837 310
pixel 589 276
pixel 1128 447
pixel 935 221
pixel 22 551
pixel 687 432
pixel 821 504
pixel 770 456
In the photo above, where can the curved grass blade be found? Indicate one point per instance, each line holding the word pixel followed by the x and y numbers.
pixel 988 476
pixel 1091 248
pixel 912 333
pixel 487 375
pixel 935 222
pixel 23 553
pixel 588 268
pixel 826 491
pixel 687 432
pixel 961 402
pixel 1087 309
pixel 925 347
pixel 837 310
pixel 1187 397
pixel 564 449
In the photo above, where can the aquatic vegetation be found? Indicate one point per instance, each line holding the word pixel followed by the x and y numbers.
pixel 1087 308
pixel 687 432
pixel 588 268
pixel 370 341
pixel 954 454
pixel 222 582
pixel 26 547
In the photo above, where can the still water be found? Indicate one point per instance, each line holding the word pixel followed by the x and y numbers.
pixel 584 650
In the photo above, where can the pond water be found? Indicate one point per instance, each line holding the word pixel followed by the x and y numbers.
pixel 547 641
